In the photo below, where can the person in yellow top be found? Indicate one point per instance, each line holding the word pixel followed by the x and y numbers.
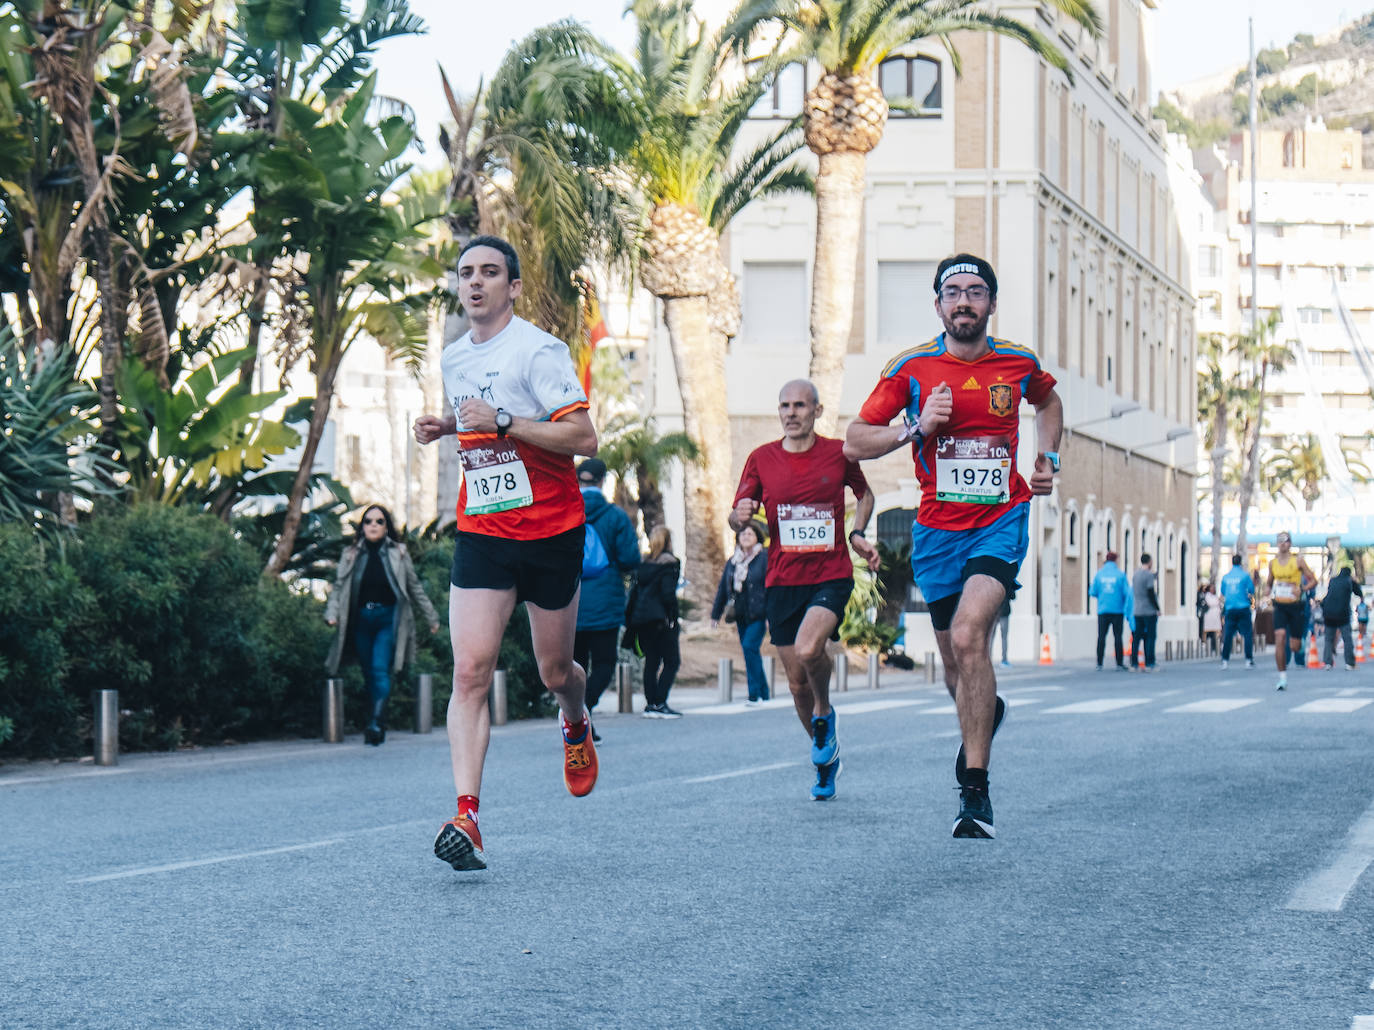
pixel 1289 579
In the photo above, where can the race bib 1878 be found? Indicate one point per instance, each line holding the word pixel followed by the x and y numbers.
pixel 806 527
pixel 973 469
pixel 496 478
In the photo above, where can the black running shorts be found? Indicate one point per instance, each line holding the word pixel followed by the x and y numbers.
pixel 1288 617
pixel 787 605
pixel 546 573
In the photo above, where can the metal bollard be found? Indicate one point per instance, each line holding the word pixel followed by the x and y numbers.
pixel 424 703
pixel 333 710
pixel 106 729
pixel 930 666
pixel 625 688
pixel 1169 651
pixel 873 662
pixel 842 672
pixel 500 710
pixel 769 668
pixel 725 681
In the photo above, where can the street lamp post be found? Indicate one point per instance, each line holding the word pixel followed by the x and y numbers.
pixel 1118 409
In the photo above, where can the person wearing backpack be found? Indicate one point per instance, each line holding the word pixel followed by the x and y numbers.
pixel 1336 614
pixel 609 554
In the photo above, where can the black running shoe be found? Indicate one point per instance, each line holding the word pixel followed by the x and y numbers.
pixel 975 814
pixel 960 762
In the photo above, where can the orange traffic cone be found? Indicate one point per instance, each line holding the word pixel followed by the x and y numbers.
pixel 1045 658
pixel 1314 660
pixel 1359 649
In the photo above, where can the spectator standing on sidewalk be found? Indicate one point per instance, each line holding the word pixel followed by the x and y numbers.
pixel 376 592
pixel 1145 603
pixel 1336 614
pixel 740 599
pixel 1211 617
pixel 1237 595
pixel 1002 625
pixel 601 608
pixel 1112 590
pixel 652 618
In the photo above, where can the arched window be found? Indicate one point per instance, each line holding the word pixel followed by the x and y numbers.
pixel 1127 559
pixel 1088 564
pixel 1183 578
pixel 913 82
pixel 1071 531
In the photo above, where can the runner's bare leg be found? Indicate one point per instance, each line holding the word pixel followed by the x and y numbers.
pixel 976 696
pixel 552 632
pixel 476 622
pixel 808 666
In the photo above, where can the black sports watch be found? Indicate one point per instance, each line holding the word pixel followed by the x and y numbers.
pixel 503 421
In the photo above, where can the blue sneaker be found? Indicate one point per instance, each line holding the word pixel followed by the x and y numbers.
pixel 826 775
pixel 960 761
pixel 824 746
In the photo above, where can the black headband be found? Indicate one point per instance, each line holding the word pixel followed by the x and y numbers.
pixel 979 268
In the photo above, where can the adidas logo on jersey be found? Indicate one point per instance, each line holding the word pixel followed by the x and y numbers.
pixel 970 384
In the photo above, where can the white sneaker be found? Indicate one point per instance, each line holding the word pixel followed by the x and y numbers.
pixel 1249 663
pixel 1225 664
pixel 1283 683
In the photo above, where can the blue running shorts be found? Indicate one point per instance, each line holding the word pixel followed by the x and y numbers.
pixel 940 558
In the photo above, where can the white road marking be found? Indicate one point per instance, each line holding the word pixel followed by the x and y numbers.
pixel 859 707
pixel 174 866
pixel 1362 1023
pixel 942 710
pixel 62 778
pixel 1215 704
pixel 1017 702
pixel 1326 889
pixel 743 772
pixel 1334 705
pixel 1098 705
pixel 1010 691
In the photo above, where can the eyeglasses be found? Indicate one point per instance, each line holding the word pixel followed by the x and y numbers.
pixel 950 294
pixel 374 522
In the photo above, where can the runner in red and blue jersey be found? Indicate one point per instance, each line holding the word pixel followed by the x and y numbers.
pixel 959 398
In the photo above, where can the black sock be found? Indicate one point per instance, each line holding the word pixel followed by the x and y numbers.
pixel 976 778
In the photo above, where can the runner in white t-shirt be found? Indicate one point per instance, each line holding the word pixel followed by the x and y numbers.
pixel 520 417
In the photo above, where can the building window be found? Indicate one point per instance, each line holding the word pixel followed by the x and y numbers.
pixel 1310 316
pixel 905 292
pixel 1209 261
pixel 784 95
pixel 913 83
pixel 775 304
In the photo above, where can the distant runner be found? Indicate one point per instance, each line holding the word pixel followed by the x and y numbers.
pixel 1289 579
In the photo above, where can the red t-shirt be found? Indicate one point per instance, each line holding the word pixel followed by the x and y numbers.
pixel 803 496
pixel 967 470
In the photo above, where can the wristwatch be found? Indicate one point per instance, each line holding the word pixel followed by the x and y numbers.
pixel 1054 459
pixel 503 421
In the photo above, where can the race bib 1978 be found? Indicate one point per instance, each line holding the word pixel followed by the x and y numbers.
pixel 496 478
pixel 806 527
pixel 973 469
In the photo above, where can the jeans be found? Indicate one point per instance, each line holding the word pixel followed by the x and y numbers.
pixel 1002 624
pixel 374 637
pixel 1145 626
pixel 1329 647
pixel 1237 621
pixel 661 661
pixel 750 640
pixel 596 651
pixel 1114 620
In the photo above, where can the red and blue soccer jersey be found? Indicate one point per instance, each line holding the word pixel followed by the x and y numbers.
pixel 967 469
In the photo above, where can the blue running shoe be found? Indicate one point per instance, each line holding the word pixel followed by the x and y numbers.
pixel 975 814
pixel 824 746
pixel 960 761
pixel 826 775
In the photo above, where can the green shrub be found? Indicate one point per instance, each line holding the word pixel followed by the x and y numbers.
pixel 287 645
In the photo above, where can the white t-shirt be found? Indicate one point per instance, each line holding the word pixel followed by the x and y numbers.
pixel 519 491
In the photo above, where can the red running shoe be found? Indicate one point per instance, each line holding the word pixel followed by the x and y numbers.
pixel 579 760
pixel 460 844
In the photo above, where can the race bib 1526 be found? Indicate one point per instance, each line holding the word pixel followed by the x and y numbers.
pixel 806 527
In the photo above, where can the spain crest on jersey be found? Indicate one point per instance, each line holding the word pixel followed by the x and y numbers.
pixel 1000 399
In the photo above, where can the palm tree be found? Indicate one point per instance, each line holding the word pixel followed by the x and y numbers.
pixel 1258 349
pixel 632 446
pixel 845 114
pixel 1299 466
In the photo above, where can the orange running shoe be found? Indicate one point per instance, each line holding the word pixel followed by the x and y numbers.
pixel 579 760
pixel 460 844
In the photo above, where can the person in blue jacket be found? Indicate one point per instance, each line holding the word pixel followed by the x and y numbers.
pixel 1113 591
pixel 601 608
pixel 1237 598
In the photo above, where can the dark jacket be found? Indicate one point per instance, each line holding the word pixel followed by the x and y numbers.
pixel 1336 603
pixel 602 605
pixel 404 583
pixel 749 606
pixel 653 598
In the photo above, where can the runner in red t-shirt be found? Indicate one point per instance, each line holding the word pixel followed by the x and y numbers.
pixel 520 416
pixel 799 481
pixel 960 397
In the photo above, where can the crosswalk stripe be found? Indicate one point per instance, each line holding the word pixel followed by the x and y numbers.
pixel 1215 704
pixel 859 707
pixel 1098 705
pixel 1334 705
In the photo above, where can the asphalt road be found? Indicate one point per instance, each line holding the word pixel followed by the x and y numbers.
pixel 1154 867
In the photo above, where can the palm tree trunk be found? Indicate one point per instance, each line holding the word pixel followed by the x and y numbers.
pixel 111 338
pixel 257 313
pixel 839 220
pixel 319 417
pixel 1219 429
pixel 650 502
pixel 1247 482
pixel 699 358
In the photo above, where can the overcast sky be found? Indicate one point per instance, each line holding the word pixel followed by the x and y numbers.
pixel 1203 37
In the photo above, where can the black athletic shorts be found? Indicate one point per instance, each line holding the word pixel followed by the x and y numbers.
pixel 1288 617
pixel 787 605
pixel 546 573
